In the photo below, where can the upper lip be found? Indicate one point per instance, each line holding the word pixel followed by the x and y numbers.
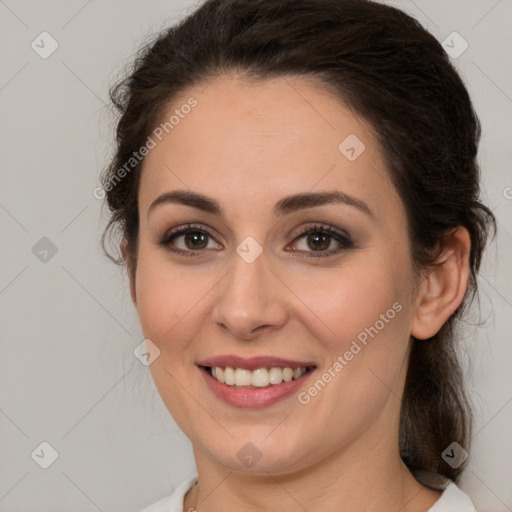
pixel 253 363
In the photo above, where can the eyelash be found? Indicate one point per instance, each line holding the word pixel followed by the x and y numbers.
pixel 342 238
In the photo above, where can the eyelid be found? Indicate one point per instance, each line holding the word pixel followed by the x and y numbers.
pixel 182 230
pixel 339 235
pixel 323 228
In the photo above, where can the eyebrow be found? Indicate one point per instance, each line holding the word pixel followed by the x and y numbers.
pixel 283 207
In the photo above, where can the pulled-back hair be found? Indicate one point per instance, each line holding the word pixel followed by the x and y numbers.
pixel 394 74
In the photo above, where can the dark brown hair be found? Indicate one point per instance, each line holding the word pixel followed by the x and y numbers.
pixel 395 75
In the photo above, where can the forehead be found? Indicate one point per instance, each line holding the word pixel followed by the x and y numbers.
pixel 254 142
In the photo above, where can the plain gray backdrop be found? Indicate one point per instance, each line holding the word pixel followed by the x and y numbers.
pixel 69 377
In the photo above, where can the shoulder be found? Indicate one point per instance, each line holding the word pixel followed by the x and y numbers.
pixel 453 499
pixel 174 502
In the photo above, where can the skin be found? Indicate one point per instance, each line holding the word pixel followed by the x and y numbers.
pixel 248 145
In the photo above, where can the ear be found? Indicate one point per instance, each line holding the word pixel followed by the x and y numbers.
pixel 128 262
pixel 443 287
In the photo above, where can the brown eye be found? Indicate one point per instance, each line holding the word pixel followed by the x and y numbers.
pixel 316 240
pixel 189 240
pixel 196 240
pixel 319 242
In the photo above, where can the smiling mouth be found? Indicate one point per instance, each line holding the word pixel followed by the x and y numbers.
pixel 258 378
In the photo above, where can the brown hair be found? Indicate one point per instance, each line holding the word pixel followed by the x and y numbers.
pixel 393 73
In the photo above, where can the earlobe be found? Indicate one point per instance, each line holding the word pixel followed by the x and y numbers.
pixel 443 287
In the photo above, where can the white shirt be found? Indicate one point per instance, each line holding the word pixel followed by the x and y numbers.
pixel 452 500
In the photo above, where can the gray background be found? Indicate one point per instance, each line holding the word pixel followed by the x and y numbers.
pixel 67 326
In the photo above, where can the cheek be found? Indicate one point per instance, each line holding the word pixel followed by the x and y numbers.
pixel 166 299
pixel 361 316
pixel 343 301
pixel 169 302
pixel 362 320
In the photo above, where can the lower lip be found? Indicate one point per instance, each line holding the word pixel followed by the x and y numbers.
pixel 256 397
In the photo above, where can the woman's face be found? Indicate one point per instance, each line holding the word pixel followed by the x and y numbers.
pixel 245 282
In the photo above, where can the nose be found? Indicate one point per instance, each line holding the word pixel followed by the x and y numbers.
pixel 248 301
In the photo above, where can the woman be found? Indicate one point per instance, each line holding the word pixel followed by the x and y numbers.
pixel 297 191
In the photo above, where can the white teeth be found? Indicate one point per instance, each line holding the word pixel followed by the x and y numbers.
pixel 261 377
pixel 218 373
pixel 275 375
pixel 229 376
pixel 242 377
pixel 287 374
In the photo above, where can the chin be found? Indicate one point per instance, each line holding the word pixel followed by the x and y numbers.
pixel 260 457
